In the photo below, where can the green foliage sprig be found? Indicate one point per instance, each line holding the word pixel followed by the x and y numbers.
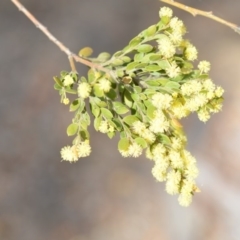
pixel 144 90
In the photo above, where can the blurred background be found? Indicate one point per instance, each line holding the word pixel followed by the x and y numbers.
pixel 105 196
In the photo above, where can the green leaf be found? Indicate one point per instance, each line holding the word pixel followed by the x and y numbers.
pixel 153 68
pixel 172 85
pixel 151 111
pixel 111 94
pixel 126 59
pixel 138 57
pixel 97 91
pixel 97 122
pixel 145 48
pixel 120 108
pixel 123 144
pixel 85 52
pixel 135 96
pixel 117 62
pixel 95 110
pixel 104 56
pixel 91 76
pixel 130 119
pixel 58 81
pixel 151 31
pixel 135 41
pixel 137 89
pixel 131 66
pixel 111 134
pixel 57 87
pixel 117 123
pixel 127 98
pixel 106 113
pixel 155 57
pixel 141 141
pixel 75 105
pixel 163 64
pixel 69 90
pixel 118 53
pixel 72 129
pixel 165 139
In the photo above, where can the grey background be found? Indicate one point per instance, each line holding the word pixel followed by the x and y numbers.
pixel 105 196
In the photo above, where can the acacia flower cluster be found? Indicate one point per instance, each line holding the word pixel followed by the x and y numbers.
pixel 146 89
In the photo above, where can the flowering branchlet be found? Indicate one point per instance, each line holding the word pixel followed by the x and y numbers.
pixel 147 88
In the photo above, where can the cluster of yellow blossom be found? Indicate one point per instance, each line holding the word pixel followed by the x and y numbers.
pixel 73 153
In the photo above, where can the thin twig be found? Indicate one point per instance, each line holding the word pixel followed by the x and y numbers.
pixel 196 12
pixel 70 54
pixel 72 64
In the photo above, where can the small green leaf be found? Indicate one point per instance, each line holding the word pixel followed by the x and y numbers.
pixel 106 113
pixel 172 85
pixel 71 91
pixel 57 87
pixel 141 141
pixel 97 122
pixel 104 56
pixel 111 94
pixel 153 68
pixel 151 31
pixel 155 57
pixel 72 129
pixel 117 123
pixel 137 89
pixel 165 139
pixel 117 62
pixel 127 98
pixel 126 59
pixel 135 96
pixel 135 41
pixel 131 66
pixel 118 53
pixel 91 76
pixel 123 144
pixel 111 134
pixel 58 81
pixel 151 111
pixel 95 110
pixel 85 52
pixel 163 64
pixel 145 48
pixel 130 119
pixel 97 91
pixel 74 105
pixel 138 57
pixel 120 108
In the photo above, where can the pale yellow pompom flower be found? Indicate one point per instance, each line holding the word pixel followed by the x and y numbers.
pixel 135 150
pixel 219 92
pixel 66 101
pixel 68 80
pixel 185 199
pixel 173 181
pixel 138 127
pixel 161 100
pixel 83 149
pixel 204 66
pixel 104 85
pixel 191 52
pixel 166 47
pixel 173 70
pixel 69 154
pixel 103 128
pixel 165 12
pixel 84 90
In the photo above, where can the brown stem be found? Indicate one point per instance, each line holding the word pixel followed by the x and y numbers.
pixel 70 54
pixel 196 12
